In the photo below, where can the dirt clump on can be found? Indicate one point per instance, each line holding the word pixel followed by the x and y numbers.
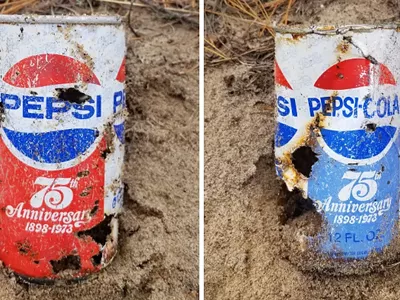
pixel 255 233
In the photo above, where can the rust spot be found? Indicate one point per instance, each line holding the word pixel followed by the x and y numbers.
pixel 109 136
pixel 298 36
pixel 86 191
pixel 328 108
pixel 95 208
pixel 24 247
pixel 70 262
pixel 319 121
pixel 296 177
pixel 83 173
pixel 15 76
pixel 327 28
pixel 343 47
pixel 85 55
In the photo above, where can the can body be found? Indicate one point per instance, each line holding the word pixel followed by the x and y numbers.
pixel 337 96
pixel 62 136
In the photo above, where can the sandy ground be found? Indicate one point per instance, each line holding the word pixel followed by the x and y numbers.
pixel 246 245
pixel 158 255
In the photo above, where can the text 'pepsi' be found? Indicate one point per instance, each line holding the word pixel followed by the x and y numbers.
pixel 40 107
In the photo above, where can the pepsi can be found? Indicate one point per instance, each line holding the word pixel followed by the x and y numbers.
pixel 337 102
pixel 62 106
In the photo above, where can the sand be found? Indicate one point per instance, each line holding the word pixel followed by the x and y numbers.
pixel 246 241
pixel 158 253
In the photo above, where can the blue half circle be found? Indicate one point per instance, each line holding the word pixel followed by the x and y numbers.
pixel 284 133
pixel 120 131
pixel 359 144
pixel 54 146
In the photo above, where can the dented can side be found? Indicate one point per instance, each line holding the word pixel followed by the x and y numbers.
pixel 62 102
pixel 337 96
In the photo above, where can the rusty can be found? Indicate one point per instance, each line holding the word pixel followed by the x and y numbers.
pixel 62 143
pixel 337 141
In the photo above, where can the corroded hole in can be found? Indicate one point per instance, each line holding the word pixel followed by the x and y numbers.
pixel 96 259
pixel 99 232
pixel 295 206
pixel 72 95
pixel 23 247
pixel 105 153
pixel 95 208
pixel 303 158
pixel 86 192
pixel 371 127
pixel 70 262
pixel 2 112
pixel 83 173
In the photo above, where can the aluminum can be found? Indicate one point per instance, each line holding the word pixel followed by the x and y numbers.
pixel 62 143
pixel 337 102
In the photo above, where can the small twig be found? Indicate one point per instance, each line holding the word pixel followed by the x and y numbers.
pixel 91 6
pixel 5 4
pixel 394 265
pixel 129 21
pixel 285 19
pixel 179 10
pixel 274 3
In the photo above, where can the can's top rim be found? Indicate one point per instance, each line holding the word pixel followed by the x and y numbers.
pixel 334 29
pixel 47 19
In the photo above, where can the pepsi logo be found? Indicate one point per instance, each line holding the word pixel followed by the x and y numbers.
pixel 341 142
pixel 65 144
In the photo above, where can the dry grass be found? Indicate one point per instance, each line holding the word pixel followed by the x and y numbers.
pixel 45 6
pixel 14 6
pixel 184 11
pixel 184 6
pixel 257 17
pixel 89 7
